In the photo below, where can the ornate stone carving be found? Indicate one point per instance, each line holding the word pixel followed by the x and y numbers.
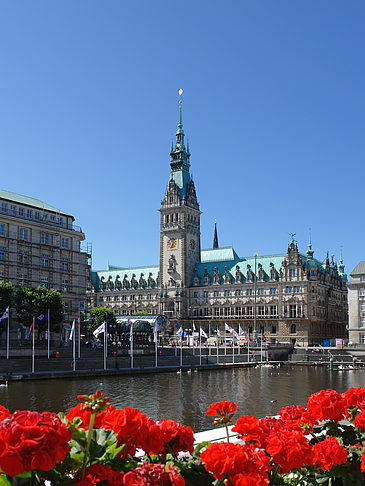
pixel 141 282
pixel 261 273
pixel 101 284
pixel 206 279
pixel 249 275
pixel 217 277
pixel 273 272
pixel 150 281
pixel 125 283
pixel 196 279
pixel 116 283
pixel 172 265
pixel 109 283
pixel 133 281
pixel 238 276
pixel 227 276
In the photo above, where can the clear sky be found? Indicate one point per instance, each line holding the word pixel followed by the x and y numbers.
pixel 273 106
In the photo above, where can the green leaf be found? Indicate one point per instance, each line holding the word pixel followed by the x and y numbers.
pixel 4 481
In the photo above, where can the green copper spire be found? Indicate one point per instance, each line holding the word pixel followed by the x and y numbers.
pixel 310 251
pixel 341 267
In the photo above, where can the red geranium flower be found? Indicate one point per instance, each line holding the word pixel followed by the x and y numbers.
pixel 84 414
pixel 360 420
pixel 224 411
pixel 294 417
pixel 100 472
pixel 176 437
pixel 32 440
pixel 354 396
pixel 153 441
pixel 249 428
pixel 289 449
pixel 4 413
pixel 327 405
pixel 329 453
pixel 153 475
pixel 237 462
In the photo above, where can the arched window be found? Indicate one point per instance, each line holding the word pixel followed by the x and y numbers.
pixel 293 329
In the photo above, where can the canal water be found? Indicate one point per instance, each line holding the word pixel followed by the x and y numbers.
pixel 185 396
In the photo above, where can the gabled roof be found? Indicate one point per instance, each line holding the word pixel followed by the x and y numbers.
pixel 359 269
pixel 218 254
pixel 29 201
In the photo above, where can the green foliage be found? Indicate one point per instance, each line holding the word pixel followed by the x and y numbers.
pixel 141 313
pixel 97 317
pixel 32 302
pixel 6 298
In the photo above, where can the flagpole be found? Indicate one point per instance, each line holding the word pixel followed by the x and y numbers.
pixel 200 345
pixel 8 336
pixel 181 346
pixel 156 350
pixel 209 339
pixel 193 340
pixel 74 346
pixel 48 332
pixel 79 335
pixel 261 348
pixel 248 345
pixel 131 344
pixel 217 347
pixel 105 339
pixel 225 339
pixel 233 347
pixel 33 344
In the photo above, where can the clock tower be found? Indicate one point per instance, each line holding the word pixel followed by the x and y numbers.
pixel 179 231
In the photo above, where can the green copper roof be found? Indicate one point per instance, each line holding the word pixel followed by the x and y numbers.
pixel 129 272
pixel 218 254
pixel 29 201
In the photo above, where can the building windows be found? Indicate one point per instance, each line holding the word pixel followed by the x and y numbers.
pixel 196 294
pixel 292 310
pixel 296 289
pixel 13 210
pixel 45 282
pixel 362 306
pixel 44 238
pixel 29 213
pixel 23 234
pixel 206 293
pixel 132 297
pixel 226 293
pixel 237 292
pixel 140 297
pixel 22 279
pixel 362 322
pixel 216 293
pixel 64 265
pixel 2 229
pixel 2 253
pixel 293 329
pixel 4 207
pixel 149 296
pixel 272 291
pixel 238 311
pixel 45 261
pixel 361 292
pixel 273 329
pixel 292 272
pixel 288 290
pixel 260 291
pixel 260 310
pixel 249 310
pixel 362 337
pixel 23 257
pixel 273 310
pixel 64 284
pixel 124 297
pixel 37 215
pixel 52 217
pixel 64 243
pixel 249 292
pixel 21 212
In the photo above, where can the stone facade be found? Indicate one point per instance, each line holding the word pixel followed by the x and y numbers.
pixel 40 245
pixel 357 304
pixel 297 298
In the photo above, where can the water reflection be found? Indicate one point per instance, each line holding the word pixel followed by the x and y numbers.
pixel 185 397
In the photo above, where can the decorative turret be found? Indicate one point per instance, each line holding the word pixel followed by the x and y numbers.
pixel 341 267
pixel 310 252
pixel 215 239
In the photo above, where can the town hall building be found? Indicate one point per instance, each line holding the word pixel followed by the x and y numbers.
pixel 288 297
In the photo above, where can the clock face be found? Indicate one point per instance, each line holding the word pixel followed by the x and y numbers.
pixel 172 243
pixel 192 244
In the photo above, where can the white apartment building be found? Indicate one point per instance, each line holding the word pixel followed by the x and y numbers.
pixel 357 304
pixel 40 245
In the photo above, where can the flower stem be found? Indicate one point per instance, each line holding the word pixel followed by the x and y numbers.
pixel 88 441
pixel 227 432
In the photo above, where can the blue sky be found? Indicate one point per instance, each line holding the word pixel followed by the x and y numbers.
pixel 273 107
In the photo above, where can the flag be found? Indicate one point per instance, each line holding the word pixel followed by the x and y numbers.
pixel 5 315
pixel 203 333
pixel 99 330
pixel 155 326
pixel 235 334
pixel 194 327
pixel 43 317
pixel 128 323
pixel 228 328
pixel 218 332
pixel 131 333
pixel 179 330
pixel 72 330
pixel 30 330
pixel 263 336
pixel 240 330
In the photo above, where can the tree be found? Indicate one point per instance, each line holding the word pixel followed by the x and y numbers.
pixel 6 296
pixel 97 317
pixel 32 302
